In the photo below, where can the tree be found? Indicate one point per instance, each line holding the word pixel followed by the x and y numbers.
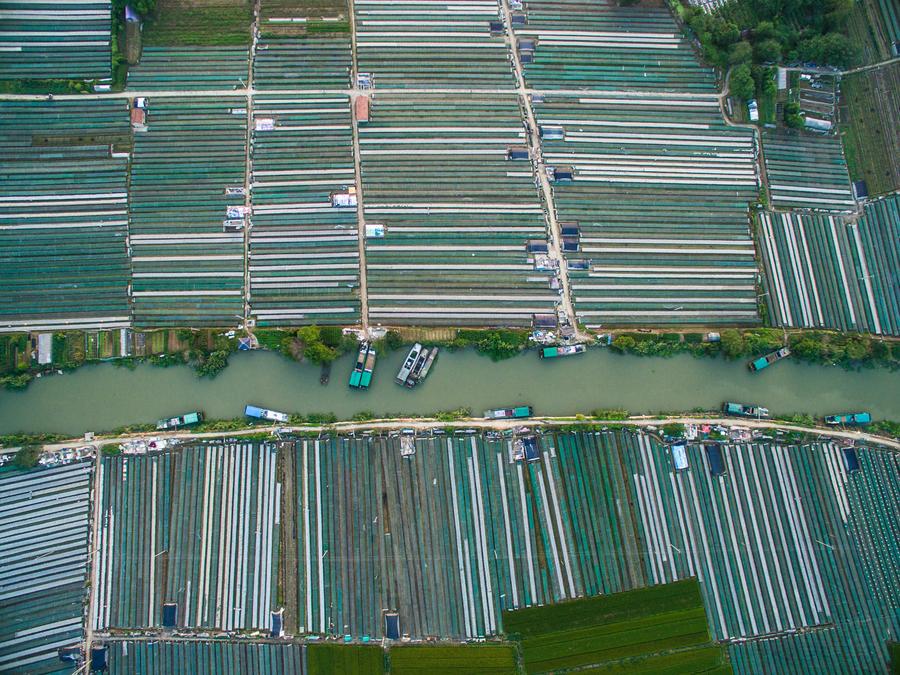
pixel 837 50
pixel 732 343
pixel 742 85
pixel 792 116
pixel 212 364
pixel 331 336
pixel 319 352
pixel 623 344
pixel 741 52
pixel 768 51
pixel 393 340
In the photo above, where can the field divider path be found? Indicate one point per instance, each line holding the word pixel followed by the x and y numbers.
pixel 355 93
pixel 534 137
pixel 248 159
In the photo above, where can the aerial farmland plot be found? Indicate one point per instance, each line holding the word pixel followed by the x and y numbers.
pixel 625 628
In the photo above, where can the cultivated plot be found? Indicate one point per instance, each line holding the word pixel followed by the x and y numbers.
pixel 44 547
pixel 651 193
pixel 433 43
pixel 189 539
pixel 187 240
pixel 463 233
pixel 600 45
pixel 63 215
pixel 821 272
pixel 55 41
pixel 304 246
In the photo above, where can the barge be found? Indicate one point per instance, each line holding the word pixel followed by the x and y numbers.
pixel 357 372
pixel 368 369
pixel 849 419
pixel 408 364
pixel 565 350
pixel 744 410
pixel 768 359
pixel 516 413
pixel 263 414
pixel 181 421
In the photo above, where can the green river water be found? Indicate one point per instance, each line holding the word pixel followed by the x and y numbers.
pixel 102 397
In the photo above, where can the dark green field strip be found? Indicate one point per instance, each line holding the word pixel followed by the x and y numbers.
pixel 702 660
pixel 587 612
pixel 486 659
pixel 222 658
pixel 325 659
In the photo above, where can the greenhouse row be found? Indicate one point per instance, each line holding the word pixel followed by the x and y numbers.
pixel 189 539
pixel 304 251
pixel 434 536
pixel 462 226
pixel 63 215
pixel 188 267
pixel 584 45
pixel 190 68
pixel 222 658
pixel 807 172
pixel 44 546
pixel 431 43
pixel 658 198
pixel 55 41
pixel 823 272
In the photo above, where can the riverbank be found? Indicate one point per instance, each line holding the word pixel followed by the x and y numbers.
pixel 207 351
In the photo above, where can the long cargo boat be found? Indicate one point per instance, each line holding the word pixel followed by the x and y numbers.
pixel 849 419
pixel 264 414
pixel 181 421
pixel 408 364
pixel 432 355
pixel 357 372
pixel 518 412
pixel 768 359
pixel 743 410
pixel 368 369
pixel 564 350
pixel 416 373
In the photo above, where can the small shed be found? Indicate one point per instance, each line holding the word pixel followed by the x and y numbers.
pixel 99 661
pixel 552 133
pixel 860 189
pixel 526 56
pixel 517 152
pixel 519 19
pixel 851 461
pixel 563 174
pixel 579 264
pixel 170 615
pixel 537 246
pixel 277 624
pixel 362 109
pixel 716 459
pixel 570 228
pixel 374 230
pixel 570 244
pixel 544 321
pixel 70 654
pixel 138 119
pixel 496 28
pixel 392 625
pixel 679 457
pixel 45 349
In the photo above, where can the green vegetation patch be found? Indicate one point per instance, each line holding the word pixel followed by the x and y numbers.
pixel 594 631
pixel 325 659
pixel 177 23
pixel 700 660
pixel 485 659
pixel 870 127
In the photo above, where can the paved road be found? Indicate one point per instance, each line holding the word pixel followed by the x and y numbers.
pixel 478 423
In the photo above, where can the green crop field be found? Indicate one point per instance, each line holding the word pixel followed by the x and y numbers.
pixel 486 659
pixel 870 127
pixel 177 23
pixel 612 631
pixel 325 659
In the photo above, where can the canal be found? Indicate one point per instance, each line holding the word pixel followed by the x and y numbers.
pixel 102 397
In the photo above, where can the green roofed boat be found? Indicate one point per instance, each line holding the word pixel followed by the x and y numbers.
pixel 565 350
pixel 185 420
pixel 849 419
pixel 357 372
pixel 519 412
